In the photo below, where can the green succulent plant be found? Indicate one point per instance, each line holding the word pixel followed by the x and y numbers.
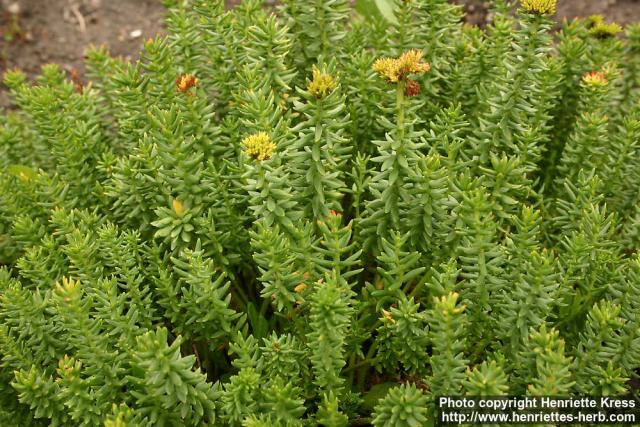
pixel 315 214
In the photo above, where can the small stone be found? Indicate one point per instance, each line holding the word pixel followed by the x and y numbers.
pixel 135 34
pixel 14 8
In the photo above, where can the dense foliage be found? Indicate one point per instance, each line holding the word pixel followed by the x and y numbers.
pixel 309 216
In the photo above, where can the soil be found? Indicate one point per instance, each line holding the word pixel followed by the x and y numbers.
pixel 36 32
pixel 621 11
pixel 45 31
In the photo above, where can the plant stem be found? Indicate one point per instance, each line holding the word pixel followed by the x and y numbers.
pixel 400 111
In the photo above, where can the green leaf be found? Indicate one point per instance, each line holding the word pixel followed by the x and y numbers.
pixel 376 393
pixel 259 324
pixel 386 10
pixel 22 172
pixel 368 9
pixel 163 232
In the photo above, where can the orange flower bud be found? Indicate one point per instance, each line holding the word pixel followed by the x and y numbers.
pixel 186 82
pixel 413 88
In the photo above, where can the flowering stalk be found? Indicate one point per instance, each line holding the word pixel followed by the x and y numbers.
pixel 517 100
pixel 399 153
pixel 584 148
pixel 266 184
pixel 319 156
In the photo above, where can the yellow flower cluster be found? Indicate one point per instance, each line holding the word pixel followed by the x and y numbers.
pixel 595 79
pixel 539 7
pixel 410 62
pixel 601 30
pixel 387 68
pixel 322 84
pixel 396 69
pixel 594 20
pixel 259 146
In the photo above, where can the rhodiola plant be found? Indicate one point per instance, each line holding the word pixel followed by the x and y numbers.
pixel 315 214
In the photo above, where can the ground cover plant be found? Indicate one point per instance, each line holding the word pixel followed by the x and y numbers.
pixel 321 216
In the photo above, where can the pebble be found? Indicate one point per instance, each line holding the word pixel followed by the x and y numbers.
pixel 14 8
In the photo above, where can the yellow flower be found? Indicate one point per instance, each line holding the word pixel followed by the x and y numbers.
pixel 396 69
pixel 594 20
pixel 540 7
pixel 410 63
pixel 178 208
pixel 259 146
pixel 387 68
pixel 600 30
pixel 595 79
pixel 322 84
